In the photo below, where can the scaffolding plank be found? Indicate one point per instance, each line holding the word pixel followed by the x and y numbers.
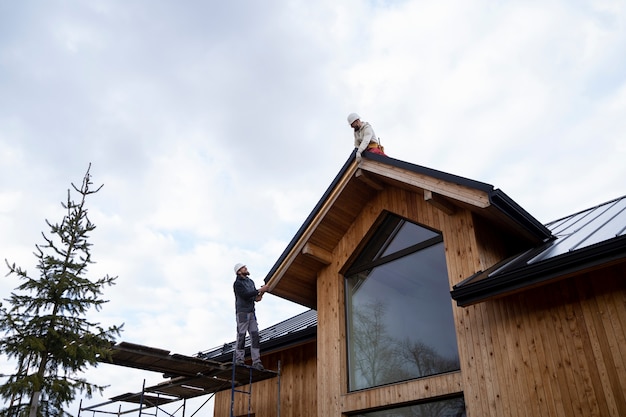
pixel 136 398
pixel 160 360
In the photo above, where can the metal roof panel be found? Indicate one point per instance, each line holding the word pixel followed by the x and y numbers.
pixel 583 240
pixel 586 228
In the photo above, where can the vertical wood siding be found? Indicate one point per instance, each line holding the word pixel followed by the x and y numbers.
pixel 558 350
pixel 298 387
pixel 553 351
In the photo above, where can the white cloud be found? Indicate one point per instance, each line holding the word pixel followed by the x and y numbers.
pixel 216 128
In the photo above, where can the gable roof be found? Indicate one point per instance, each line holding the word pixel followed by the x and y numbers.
pixel 294 274
pixel 582 241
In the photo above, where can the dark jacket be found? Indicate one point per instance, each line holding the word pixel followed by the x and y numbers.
pixel 245 293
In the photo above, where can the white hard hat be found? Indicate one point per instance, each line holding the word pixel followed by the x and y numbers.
pixel 238 267
pixel 352 117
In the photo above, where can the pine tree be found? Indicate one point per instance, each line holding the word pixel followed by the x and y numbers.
pixel 44 326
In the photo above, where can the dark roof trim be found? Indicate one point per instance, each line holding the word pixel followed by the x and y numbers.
pixel 540 272
pixel 418 169
pixel 311 216
pixel 505 204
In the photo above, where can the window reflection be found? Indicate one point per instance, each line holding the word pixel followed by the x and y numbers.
pixel 453 407
pixel 399 313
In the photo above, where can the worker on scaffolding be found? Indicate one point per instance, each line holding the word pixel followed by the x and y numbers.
pixel 246 295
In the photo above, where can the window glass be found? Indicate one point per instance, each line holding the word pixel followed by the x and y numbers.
pixel 407 235
pixel 452 407
pixel 399 315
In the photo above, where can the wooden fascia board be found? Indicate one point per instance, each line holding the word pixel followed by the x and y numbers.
pixel 298 247
pixel 448 189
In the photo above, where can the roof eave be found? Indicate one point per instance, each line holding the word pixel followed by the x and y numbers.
pixel 559 267
pixel 274 345
pixel 275 274
pixel 505 204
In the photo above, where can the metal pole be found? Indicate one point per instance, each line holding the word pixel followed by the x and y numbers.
pixel 232 389
pixel 143 387
pixel 278 400
pixel 250 395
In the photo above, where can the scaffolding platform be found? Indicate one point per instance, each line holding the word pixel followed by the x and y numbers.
pixel 188 377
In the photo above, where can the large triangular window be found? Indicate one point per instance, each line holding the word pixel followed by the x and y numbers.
pixel 398 307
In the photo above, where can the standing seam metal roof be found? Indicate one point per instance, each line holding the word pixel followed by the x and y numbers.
pixel 295 329
pixel 582 240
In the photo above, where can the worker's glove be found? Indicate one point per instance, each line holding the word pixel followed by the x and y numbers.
pixel 358 157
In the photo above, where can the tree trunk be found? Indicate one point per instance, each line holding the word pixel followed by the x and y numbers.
pixel 34 404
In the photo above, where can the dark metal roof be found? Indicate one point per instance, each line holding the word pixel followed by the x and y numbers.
pixel 583 240
pixel 295 330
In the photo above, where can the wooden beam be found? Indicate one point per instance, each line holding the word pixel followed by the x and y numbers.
pixel 317 253
pixel 361 175
pixel 448 189
pixel 439 202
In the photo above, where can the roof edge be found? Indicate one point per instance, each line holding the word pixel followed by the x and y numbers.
pixel 540 273
pixel 311 216
pixel 505 204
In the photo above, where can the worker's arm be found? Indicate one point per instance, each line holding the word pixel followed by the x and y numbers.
pixel 262 291
pixel 368 136
pixel 246 292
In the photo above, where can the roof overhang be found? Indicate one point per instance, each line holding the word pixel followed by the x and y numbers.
pixel 502 279
pixel 294 275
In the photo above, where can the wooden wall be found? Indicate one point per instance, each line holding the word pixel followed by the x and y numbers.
pixel 297 387
pixel 558 351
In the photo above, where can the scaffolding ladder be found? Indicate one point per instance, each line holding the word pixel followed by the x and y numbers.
pixel 248 392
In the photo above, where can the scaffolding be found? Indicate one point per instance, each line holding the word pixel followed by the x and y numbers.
pixel 189 377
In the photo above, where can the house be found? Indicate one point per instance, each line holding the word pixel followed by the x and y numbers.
pixel 437 295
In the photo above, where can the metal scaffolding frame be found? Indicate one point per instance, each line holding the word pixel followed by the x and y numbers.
pixel 189 377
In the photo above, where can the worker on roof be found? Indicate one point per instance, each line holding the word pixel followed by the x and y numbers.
pixel 365 140
pixel 246 295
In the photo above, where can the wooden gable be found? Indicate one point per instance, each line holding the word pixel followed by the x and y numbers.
pixel 295 274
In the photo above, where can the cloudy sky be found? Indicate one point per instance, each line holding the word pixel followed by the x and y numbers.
pixel 215 129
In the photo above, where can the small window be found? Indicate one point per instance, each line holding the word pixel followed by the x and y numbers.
pixel 451 407
pixel 398 306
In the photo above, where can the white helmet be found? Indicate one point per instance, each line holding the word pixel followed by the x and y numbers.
pixel 238 267
pixel 352 117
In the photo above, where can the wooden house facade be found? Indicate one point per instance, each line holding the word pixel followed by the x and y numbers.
pixel 437 295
